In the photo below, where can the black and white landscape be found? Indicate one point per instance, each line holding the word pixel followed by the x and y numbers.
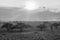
pixel 17 23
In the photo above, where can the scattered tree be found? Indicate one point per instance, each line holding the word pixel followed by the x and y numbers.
pixel 41 27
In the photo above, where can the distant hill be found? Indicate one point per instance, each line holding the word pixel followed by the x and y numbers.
pixel 15 14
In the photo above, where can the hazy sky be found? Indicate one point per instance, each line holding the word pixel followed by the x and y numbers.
pixel 15 14
pixel 51 4
pixel 18 3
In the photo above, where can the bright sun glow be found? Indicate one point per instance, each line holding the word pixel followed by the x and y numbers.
pixel 29 5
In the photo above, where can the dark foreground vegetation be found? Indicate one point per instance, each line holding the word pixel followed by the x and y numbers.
pixel 21 31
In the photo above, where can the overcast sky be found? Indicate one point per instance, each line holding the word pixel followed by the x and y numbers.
pixel 21 2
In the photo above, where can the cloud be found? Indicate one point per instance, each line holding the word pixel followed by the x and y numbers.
pixel 11 3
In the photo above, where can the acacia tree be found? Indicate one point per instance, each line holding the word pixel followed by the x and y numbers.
pixel 55 26
pixel 41 27
pixel 10 27
pixel 7 26
pixel 20 27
